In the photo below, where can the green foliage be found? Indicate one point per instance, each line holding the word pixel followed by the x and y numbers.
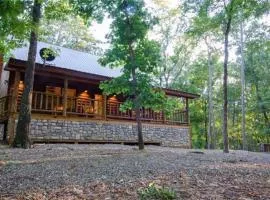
pixel 14 25
pixel 154 192
pixel 57 9
pixel 90 9
pixel 135 53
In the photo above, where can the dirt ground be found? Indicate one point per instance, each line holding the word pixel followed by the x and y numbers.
pixel 62 171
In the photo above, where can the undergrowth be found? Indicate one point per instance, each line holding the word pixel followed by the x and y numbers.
pixel 155 192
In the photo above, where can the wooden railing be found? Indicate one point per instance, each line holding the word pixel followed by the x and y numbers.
pixel 4 109
pixel 86 107
pixel 43 102
pixel 175 117
pixel 50 103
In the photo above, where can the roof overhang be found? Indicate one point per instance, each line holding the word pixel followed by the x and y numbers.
pixel 178 93
pixel 55 71
pixel 60 72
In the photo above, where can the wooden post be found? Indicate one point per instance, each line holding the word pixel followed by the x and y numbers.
pixel 187 111
pixel 11 126
pixel 65 97
pixel 105 107
pixel 14 95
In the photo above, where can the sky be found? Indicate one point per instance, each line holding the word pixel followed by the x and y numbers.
pixel 99 31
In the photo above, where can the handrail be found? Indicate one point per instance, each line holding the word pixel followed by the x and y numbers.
pixel 43 102
pixel 46 102
pixel 176 117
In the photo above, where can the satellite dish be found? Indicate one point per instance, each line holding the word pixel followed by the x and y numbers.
pixel 47 54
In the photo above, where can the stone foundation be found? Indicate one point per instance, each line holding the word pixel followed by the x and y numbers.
pixel 108 131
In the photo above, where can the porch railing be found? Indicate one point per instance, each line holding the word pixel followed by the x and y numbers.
pixel 43 102
pixel 175 117
pixel 51 103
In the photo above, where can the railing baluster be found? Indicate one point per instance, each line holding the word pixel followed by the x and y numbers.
pixel 46 102
pixel 35 103
pixel 52 102
pixel 57 102
pixel 41 101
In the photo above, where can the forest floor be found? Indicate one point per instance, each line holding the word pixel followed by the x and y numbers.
pixel 104 172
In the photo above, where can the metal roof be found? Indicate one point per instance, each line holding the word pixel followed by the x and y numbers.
pixel 69 59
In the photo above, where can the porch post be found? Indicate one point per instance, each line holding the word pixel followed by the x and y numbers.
pixel 11 127
pixel 187 111
pixel 14 94
pixel 65 97
pixel 105 106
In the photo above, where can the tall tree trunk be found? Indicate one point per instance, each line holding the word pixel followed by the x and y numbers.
pixel 134 85
pixel 210 101
pixel 135 99
pixel 243 124
pixel 225 86
pixel 139 127
pixel 23 127
pixel 205 125
pixel 214 132
pixel 137 110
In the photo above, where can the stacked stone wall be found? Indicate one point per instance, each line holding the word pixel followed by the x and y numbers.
pixel 54 129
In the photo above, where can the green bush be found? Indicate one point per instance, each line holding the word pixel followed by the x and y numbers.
pixel 154 192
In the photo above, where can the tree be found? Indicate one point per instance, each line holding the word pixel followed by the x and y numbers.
pixel 52 10
pixel 14 25
pixel 229 11
pixel 138 56
pixel 22 131
pixel 221 14
pixel 244 137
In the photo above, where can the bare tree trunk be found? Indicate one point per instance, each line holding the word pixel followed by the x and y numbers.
pixel 136 101
pixel 23 127
pixel 210 102
pixel 244 138
pixel 205 125
pixel 225 88
pixel 214 131
pixel 137 111
pixel 139 127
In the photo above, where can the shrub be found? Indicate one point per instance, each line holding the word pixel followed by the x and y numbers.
pixel 154 192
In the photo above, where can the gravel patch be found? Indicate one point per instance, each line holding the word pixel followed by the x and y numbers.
pixel 53 166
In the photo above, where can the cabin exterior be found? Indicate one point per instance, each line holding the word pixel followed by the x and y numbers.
pixel 68 106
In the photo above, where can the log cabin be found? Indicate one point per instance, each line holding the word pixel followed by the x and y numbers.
pixel 68 106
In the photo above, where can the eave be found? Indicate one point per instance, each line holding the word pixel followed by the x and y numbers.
pixel 61 72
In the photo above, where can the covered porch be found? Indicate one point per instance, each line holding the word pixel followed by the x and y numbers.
pixel 67 93
pixel 82 101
